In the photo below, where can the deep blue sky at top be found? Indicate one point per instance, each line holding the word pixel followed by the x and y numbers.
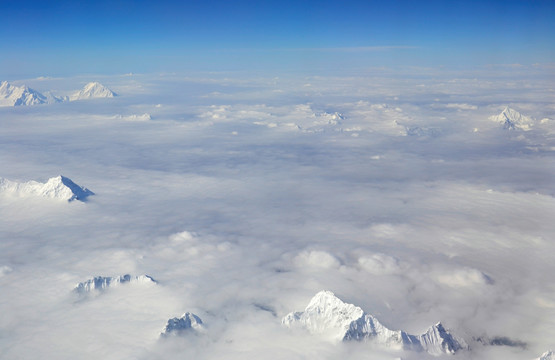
pixel 72 37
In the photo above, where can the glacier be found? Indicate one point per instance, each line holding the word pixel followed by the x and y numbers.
pixel 330 317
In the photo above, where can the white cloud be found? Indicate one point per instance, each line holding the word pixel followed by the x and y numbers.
pixel 379 264
pixel 461 106
pixel 463 278
pixel 5 270
pixel 183 237
pixel 316 259
pixel 242 223
pixel 135 117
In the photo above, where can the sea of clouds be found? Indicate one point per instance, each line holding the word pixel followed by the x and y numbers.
pixel 245 196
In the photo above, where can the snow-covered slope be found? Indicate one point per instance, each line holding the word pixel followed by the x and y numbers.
pixel 548 355
pixel 11 95
pixel 437 340
pixel 513 120
pixel 93 90
pixel 59 187
pixel 189 322
pixel 328 316
pixel 101 283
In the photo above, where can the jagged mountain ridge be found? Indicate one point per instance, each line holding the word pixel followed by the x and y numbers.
pixel 101 283
pixel 189 322
pixel 11 95
pixel 59 187
pixel 330 317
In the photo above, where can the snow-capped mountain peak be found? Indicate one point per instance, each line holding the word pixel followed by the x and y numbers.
pixel 548 355
pixel 11 95
pixel 437 340
pixel 60 184
pixel 513 120
pixel 59 187
pixel 93 90
pixel 101 283
pixel 328 316
pixel 189 322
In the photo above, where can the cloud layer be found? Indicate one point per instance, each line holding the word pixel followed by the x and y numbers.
pixel 243 198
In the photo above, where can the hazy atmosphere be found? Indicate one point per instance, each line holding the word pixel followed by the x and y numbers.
pixel 224 179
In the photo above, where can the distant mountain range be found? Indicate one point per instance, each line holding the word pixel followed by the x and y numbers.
pixel 59 187
pixel 101 283
pixel 328 316
pixel 11 95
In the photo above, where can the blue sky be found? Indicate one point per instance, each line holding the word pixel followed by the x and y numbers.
pixel 70 37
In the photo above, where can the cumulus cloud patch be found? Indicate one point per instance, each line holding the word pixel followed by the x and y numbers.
pixel 317 259
pixel 189 245
pixel 463 278
pixel 5 270
pixel 379 264
pixel 216 113
pixel 183 237
pixel 461 106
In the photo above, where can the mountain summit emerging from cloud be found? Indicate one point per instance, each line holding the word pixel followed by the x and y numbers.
pixel 101 283
pixel 548 355
pixel 187 323
pixel 513 120
pixel 11 95
pixel 59 187
pixel 242 194
pixel 93 90
pixel 328 316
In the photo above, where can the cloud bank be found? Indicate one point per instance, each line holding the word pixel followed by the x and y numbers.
pixel 245 197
